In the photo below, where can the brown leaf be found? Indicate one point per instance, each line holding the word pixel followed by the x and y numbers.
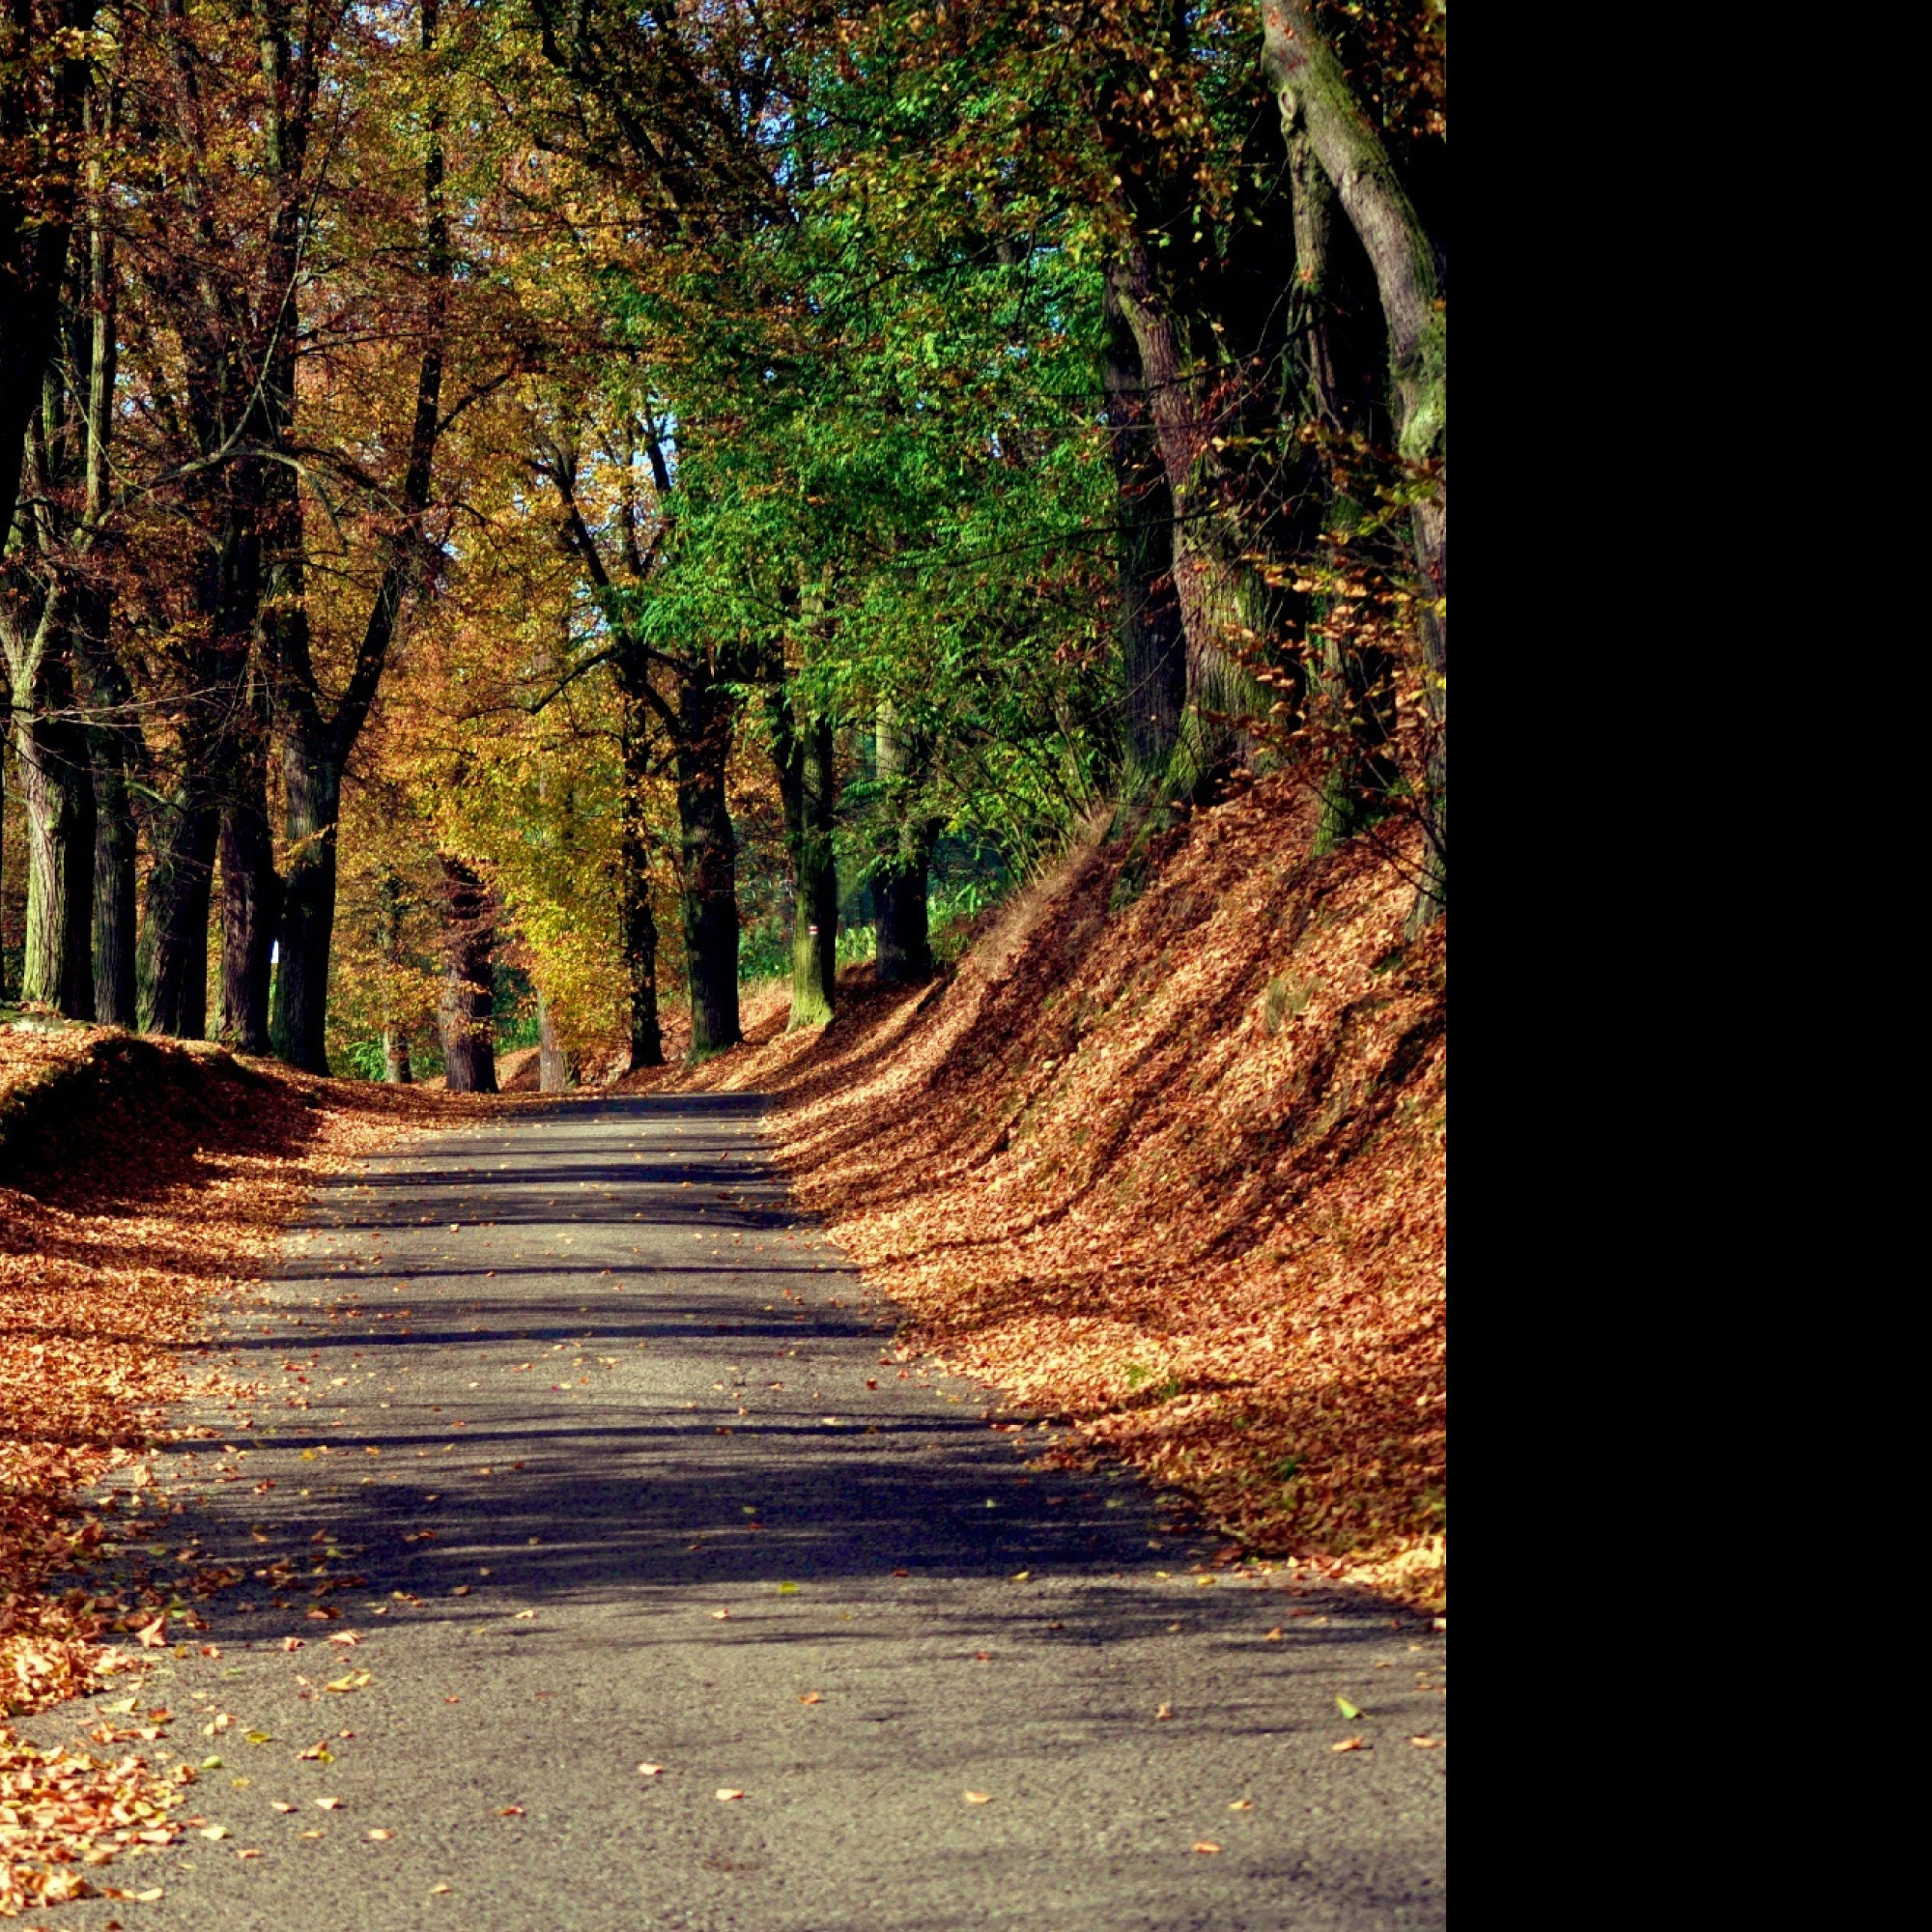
pixel 1350 1744
pixel 725 1794
pixel 978 1797
pixel 1206 1845
pixel 152 1637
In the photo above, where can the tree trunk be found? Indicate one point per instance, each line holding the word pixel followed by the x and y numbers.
pixel 633 883
pixel 905 942
pixel 806 784
pixel 1223 601
pixel 6 734
pixel 397 1070
pixel 249 909
pixel 467 1011
pixel 172 961
pixel 114 888
pixel 57 789
pixel 710 861
pixel 1315 100
pixel 1153 656
pixel 556 1068
pixel 313 782
pixel 899 884
pixel 113 745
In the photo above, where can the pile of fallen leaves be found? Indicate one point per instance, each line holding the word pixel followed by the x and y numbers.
pixel 1165 1157
pixel 138 1181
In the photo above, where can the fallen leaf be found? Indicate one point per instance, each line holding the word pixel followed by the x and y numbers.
pixel 214 1830
pixel 348 1638
pixel 1206 1845
pixel 380 1833
pixel 1350 1744
pixel 510 1811
pixel 725 1794
pixel 523 1616
pixel 292 1643
pixel 978 1797
pixel 719 1616
pixel 1273 1635
pixel 251 1854
pixel 152 1637
pixel 1350 1710
pixel 329 1803
pixel 436 1888
pixel 649 1769
pixel 812 1697
pixel 1242 1805
pixel 1165 1711
pixel 280 1805
pixel 1423 1743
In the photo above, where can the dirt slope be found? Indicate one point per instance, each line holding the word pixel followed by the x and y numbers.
pixel 1165 1155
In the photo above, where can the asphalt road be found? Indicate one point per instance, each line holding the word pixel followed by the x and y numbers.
pixel 588 1439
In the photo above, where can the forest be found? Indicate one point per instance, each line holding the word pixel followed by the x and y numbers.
pixel 534 516
pixel 724 811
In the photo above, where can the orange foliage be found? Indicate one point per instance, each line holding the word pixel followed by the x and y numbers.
pixel 113 1241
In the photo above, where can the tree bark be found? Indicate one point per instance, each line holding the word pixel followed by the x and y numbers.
pixel 635 913
pixel 557 1067
pixel 1223 601
pixel 319 742
pixel 466 1015
pixel 1153 655
pixel 1315 100
pixel 57 789
pixel 251 911
pixel 43 89
pixel 709 854
pixel 312 780
pixel 114 885
pixel 397 1070
pixel 804 751
pixel 899 886
pixel 172 958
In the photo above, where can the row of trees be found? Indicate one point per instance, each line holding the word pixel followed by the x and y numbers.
pixel 478 465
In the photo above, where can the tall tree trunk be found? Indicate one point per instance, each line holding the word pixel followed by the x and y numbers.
pixel 43 89
pixel 57 789
pixel 467 1011
pixel 1317 102
pixel 397 1070
pixel 557 1067
pixel 113 745
pixel 172 958
pixel 6 735
pixel 251 912
pixel 1154 657
pixel 312 781
pixel 1224 603
pixel 803 751
pixel 637 920
pixel 319 742
pixel 900 886
pixel 709 853
pixel 114 885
